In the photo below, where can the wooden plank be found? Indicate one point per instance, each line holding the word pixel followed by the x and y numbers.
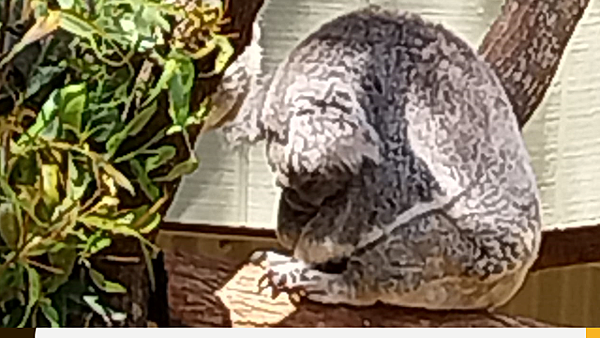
pixel 563 247
pixel 560 247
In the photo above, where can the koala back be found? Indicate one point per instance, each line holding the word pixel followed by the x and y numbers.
pixel 406 115
pixel 379 118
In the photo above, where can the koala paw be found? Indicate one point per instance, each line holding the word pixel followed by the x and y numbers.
pixel 286 274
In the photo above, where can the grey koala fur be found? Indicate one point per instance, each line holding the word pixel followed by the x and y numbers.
pixel 404 175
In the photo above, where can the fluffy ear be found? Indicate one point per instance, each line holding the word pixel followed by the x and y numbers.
pixel 237 103
pixel 246 126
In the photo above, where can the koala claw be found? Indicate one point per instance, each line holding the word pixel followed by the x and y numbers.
pixel 258 258
pixel 283 274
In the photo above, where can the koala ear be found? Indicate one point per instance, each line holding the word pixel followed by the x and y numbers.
pixel 237 104
pixel 245 124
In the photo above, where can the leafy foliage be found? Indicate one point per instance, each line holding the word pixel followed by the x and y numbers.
pixel 65 163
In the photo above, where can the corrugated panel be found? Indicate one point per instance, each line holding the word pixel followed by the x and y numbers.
pixel 216 193
pixel 563 137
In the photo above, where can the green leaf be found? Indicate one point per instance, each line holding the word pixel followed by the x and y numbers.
pixel 140 120
pixel 12 319
pixel 79 179
pixel 42 76
pixel 180 87
pixel 12 282
pixel 118 316
pixel 128 25
pixel 104 285
pixel 57 247
pixel 119 178
pixel 148 257
pixel 66 4
pixel 162 83
pixel 114 142
pixel 99 244
pixel 226 52
pixel 131 129
pixel 43 120
pixel 79 26
pixel 163 155
pixel 34 285
pixel 149 224
pixel 200 115
pixel 120 225
pixel 73 99
pixel 183 168
pixel 105 222
pixel 99 222
pixel 174 129
pixel 9 226
pixel 155 221
pixel 51 314
pixel 6 320
pixel 145 183
pixel 25 170
pixel 34 292
pixel 104 124
pixel 50 178
pixel 63 259
pixel 92 302
pixel 151 17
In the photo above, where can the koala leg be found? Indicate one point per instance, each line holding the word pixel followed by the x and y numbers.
pixel 362 282
pixel 432 262
pixel 477 261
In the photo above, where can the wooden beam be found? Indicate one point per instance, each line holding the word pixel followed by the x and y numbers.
pixel 560 247
pixel 568 247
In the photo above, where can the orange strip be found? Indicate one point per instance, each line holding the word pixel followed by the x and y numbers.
pixel 592 332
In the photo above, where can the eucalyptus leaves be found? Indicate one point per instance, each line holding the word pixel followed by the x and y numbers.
pixel 65 164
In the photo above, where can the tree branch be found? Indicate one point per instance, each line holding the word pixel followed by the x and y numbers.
pixel 203 293
pixel 525 45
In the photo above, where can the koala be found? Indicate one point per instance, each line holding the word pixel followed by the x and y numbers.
pixel 404 177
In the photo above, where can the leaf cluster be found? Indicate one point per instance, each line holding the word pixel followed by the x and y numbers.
pixel 81 82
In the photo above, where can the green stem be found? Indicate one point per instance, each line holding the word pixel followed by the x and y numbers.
pixel 140 150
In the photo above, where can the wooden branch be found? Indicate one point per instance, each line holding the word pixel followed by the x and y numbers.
pixel 525 45
pixel 248 307
pixel 205 290
pixel 209 290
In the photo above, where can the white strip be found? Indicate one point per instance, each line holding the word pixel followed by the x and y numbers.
pixel 297 332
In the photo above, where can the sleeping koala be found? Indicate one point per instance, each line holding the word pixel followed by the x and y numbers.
pixel 404 177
